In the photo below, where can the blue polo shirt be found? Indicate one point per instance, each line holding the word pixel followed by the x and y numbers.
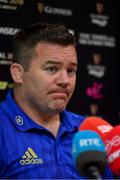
pixel 30 151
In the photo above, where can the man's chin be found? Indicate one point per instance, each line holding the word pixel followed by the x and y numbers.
pixel 59 109
pixel 58 106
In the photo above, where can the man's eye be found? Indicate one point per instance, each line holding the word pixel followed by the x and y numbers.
pixel 51 69
pixel 71 71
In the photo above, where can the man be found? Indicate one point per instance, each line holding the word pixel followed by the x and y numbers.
pixel 36 131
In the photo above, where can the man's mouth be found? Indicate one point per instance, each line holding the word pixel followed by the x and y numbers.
pixel 60 93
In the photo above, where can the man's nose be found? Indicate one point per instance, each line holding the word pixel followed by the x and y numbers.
pixel 63 79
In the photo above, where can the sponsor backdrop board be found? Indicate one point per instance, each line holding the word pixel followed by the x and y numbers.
pixel 96 26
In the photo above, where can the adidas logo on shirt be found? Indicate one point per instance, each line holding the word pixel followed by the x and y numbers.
pixel 30 157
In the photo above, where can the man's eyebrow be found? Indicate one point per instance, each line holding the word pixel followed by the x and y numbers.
pixel 53 62
pixel 58 62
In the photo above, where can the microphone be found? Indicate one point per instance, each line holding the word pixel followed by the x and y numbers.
pixel 112 143
pixel 88 151
pixel 110 137
pixel 98 125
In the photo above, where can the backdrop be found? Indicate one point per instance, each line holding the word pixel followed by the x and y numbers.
pixel 96 26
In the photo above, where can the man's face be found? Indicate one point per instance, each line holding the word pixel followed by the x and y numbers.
pixel 49 82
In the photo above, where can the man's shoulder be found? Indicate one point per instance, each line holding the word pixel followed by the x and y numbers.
pixel 74 115
pixel 74 118
pixel 1 108
pixel 5 108
pixel 3 114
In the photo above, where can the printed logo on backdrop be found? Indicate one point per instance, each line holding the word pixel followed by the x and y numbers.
pixel 71 31
pixel 100 40
pixel 94 109
pixel 11 4
pixel 42 8
pixel 99 19
pixel 4 85
pixel 6 58
pixel 95 91
pixel 8 30
pixel 96 69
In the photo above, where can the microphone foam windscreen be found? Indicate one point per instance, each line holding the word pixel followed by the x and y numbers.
pixel 112 143
pixel 97 124
pixel 88 149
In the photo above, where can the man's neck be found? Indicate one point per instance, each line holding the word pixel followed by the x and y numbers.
pixel 48 121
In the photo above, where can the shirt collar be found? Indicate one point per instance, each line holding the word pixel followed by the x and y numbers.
pixel 69 121
pixel 21 121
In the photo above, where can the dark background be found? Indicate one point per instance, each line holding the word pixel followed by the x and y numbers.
pixel 97 32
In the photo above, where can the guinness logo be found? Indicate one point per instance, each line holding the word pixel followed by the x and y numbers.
pixel 41 7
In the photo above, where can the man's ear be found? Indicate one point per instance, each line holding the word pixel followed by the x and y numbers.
pixel 17 72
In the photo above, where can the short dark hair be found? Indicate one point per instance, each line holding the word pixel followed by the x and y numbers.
pixel 25 40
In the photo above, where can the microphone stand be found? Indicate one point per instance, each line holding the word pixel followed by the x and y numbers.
pixel 93 173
